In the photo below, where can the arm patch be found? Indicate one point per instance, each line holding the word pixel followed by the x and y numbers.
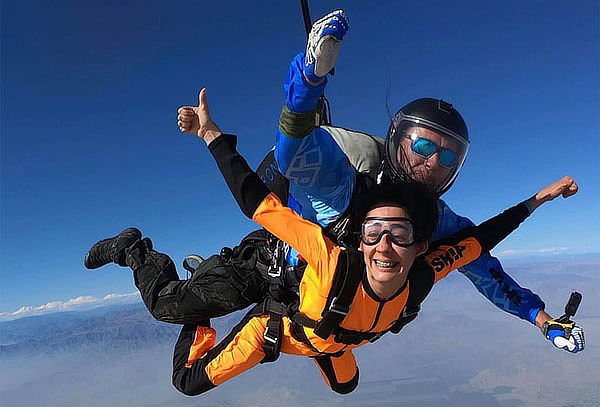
pixel 297 125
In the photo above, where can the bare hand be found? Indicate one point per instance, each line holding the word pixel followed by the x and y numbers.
pixel 187 121
pixel 196 120
pixel 565 186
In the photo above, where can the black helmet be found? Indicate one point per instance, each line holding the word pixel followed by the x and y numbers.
pixel 432 114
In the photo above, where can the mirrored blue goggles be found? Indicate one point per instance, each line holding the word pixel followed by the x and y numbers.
pixel 426 148
pixel 399 230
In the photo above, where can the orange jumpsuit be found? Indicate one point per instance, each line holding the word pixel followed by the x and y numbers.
pixel 198 366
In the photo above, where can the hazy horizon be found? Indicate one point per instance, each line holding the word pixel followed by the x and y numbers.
pixel 528 263
pixel 460 352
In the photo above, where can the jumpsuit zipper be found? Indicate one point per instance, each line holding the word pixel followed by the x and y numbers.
pixel 379 309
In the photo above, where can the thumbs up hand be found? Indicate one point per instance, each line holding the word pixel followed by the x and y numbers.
pixel 197 120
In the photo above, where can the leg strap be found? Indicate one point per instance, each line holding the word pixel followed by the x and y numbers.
pixel 274 331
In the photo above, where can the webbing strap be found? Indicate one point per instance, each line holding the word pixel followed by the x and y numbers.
pixel 420 280
pixel 348 275
pixel 342 294
pixel 401 322
pixel 350 337
pixel 272 335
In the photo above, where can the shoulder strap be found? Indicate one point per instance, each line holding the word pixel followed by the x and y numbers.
pixel 420 283
pixel 348 275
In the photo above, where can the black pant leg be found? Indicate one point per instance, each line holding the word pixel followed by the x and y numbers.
pixel 220 286
pixel 193 380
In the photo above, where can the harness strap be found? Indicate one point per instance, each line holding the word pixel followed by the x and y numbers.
pixel 303 320
pixel 420 285
pixel 350 337
pixel 298 334
pixel 272 335
pixel 341 335
pixel 274 331
pixel 348 276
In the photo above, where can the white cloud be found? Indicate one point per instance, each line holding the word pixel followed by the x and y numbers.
pixel 510 252
pixel 545 251
pixel 78 303
pixel 553 250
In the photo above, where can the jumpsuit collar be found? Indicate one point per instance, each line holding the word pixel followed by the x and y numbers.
pixel 371 293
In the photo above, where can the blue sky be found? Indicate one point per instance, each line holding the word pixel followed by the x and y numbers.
pixel 90 143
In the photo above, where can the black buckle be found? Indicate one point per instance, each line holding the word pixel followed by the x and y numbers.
pixel 349 338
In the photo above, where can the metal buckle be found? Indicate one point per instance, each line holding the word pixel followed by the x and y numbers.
pixel 410 311
pixel 333 307
pixel 272 339
pixel 276 273
pixel 278 261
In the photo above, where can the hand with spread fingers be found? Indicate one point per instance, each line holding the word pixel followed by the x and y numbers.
pixel 197 120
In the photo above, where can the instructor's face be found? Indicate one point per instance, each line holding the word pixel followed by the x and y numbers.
pixel 422 169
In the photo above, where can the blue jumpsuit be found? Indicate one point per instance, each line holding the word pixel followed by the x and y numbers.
pixel 322 180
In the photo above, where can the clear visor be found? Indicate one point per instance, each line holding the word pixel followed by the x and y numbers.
pixel 400 231
pixel 425 152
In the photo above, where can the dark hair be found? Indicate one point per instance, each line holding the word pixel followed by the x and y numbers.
pixel 417 199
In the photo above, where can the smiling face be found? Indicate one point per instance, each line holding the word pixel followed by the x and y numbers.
pixel 425 170
pixel 387 263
